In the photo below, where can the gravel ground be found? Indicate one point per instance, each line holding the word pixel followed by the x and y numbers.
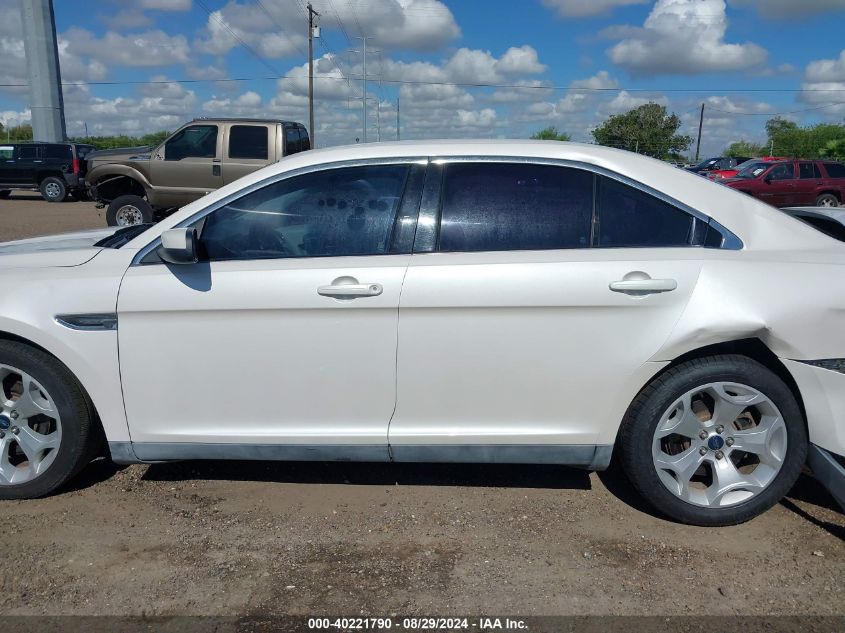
pixel 252 539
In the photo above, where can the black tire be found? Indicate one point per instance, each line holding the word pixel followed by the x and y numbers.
pixel 827 200
pixel 640 424
pixel 5 193
pixel 114 214
pixel 53 189
pixel 81 438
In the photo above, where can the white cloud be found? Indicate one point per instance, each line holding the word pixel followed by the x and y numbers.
pixel 683 37
pixel 272 27
pixel 519 61
pixel 581 8
pixel 779 9
pixel 600 81
pixel 625 101
pixel 165 5
pixel 824 85
pixel 149 48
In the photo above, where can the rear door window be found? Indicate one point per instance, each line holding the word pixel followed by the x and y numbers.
pixel 628 217
pixel 7 152
pixel 304 141
pixel 248 141
pixel 506 207
pixel 808 170
pixel 28 152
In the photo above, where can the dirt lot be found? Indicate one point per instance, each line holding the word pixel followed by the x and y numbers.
pixel 247 539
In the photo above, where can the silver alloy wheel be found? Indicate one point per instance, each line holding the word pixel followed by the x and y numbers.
pixel 129 215
pixel 829 202
pixel 719 444
pixel 52 190
pixel 30 427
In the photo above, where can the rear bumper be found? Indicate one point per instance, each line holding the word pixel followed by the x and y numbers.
pixel 823 393
pixel 829 471
pixel 74 181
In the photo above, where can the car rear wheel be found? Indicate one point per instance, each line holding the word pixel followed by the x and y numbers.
pixel 129 210
pixel 714 441
pixel 827 200
pixel 53 189
pixel 47 433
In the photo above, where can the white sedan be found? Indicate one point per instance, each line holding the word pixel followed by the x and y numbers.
pixel 453 301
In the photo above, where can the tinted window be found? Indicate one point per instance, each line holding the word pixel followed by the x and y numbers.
pixel 782 172
pixel 291 141
pixel 304 141
pixel 6 152
pixel 196 141
pixel 630 217
pixel 28 152
pixel 333 212
pixel 808 170
pixel 248 141
pixel 57 152
pixel 835 170
pixel 502 207
pixel 83 150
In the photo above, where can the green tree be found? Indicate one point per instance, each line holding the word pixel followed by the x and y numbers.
pixel 648 129
pixel 788 139
pixel 834 149
pixel 746 149
pixel 551 134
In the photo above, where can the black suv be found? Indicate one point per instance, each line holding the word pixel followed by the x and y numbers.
pixel 55 169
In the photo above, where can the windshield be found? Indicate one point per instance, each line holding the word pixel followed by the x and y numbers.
pixel 706 163
pixel 752 169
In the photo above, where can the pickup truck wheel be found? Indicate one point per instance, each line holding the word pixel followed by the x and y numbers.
pixel 129 210
pixel 53 189
pixel 827 200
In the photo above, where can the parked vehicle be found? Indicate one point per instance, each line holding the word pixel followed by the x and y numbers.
pixel 828 220
pixel 716 164
pixel 54 169
pixel 456 301
pixel 719 174
pixel 144 184
pixel 793 182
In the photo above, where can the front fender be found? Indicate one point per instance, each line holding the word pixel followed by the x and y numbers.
pixel 99 173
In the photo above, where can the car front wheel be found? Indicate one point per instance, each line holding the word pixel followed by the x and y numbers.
pixel 714 441
pixel 47 433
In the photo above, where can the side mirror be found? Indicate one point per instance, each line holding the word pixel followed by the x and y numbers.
pixel 179 246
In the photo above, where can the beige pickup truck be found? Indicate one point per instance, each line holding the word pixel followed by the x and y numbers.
pixel 144 184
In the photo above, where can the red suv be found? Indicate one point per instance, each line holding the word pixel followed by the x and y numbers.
pixel 792 183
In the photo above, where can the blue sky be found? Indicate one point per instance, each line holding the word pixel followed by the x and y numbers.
pixel 568 63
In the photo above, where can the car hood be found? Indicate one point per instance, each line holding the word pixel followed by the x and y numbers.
pixel 120 152
pixel 66 249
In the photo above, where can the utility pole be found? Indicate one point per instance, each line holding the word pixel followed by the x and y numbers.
pixel 771 148
pixel 311 28
pixel 397 116
pixel 700 125
pixel 363 39
pixel 42 63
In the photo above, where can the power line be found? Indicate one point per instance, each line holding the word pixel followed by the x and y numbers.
pixel 548 88
pixel 281 28
pixel 821 107
pixel 235 35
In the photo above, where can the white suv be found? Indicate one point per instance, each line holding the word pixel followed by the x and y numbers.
pixel 439 301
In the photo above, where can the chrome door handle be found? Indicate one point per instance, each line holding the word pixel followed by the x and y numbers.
pixel 644 286
pixel 350 290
